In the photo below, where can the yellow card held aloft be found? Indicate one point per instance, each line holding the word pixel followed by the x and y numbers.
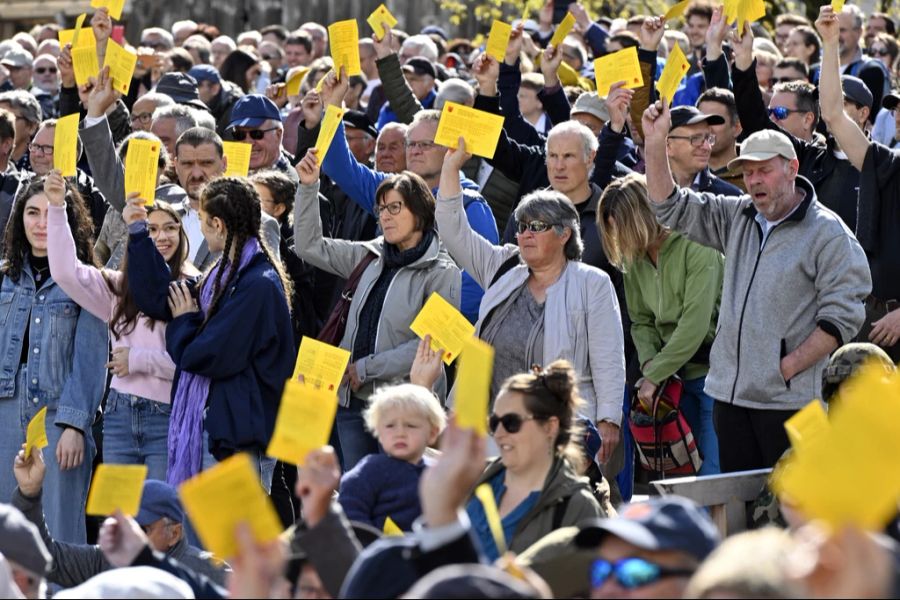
pixel 676 68
pixel 78 36
pixel 480 129
pixel 677 10
pixel 85 63
pixel 485 495
pixel 618 66
pixel 473 385
pixel 448 328
pixel 79 23
pixel 237 158
pixel 121 64
pixel 65 145
pixel 322 365
pixel 837 6
pixel 498 40
pixel 221 498
pixel 391 529
pixel 116 487
pixel 807 424
pixel 115 7
pixel 36 434
pixel 304 422
pixel 343 37
pixel 562 30
pixel 141 165
pixel 333 117
pixel 377 19
pixel 295 80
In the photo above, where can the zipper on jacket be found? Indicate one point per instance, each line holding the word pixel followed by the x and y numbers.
pixel 737 370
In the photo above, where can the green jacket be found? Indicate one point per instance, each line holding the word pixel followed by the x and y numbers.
pixel 674 307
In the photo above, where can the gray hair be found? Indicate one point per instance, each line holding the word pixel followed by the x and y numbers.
pixel 165 35
pixel 205 119
pixel 855 12
pixel 423 45
pixel 158 100
pixel 454 90
pixel 588 139
pixel 428 115
pixel 184 116
pixel 25 103
pixel 555 208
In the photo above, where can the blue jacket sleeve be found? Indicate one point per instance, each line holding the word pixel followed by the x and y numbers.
pixel 556 104
pixel 358 181
pixel 596 36
pixel 83 389
pixel 515 124
pixel 356 495
pixel 148 276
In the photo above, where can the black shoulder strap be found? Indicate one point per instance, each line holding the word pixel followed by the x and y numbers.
pixel 559 512
pixel 507 265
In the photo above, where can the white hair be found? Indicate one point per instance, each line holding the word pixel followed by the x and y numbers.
pixel 170 41
pixel 407 397
pixel 224 39
pixel 423 46
pixel 588 139
pixel 454 90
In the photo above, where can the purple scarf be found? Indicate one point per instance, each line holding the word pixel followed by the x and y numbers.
pixel 186 423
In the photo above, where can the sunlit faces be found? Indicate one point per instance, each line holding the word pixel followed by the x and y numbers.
pixel 41 150
pixel 567 166
pixel 267 149
pixel 46 73
pixel 797 123
pixel 796 47
pixel 34 218
pixel 614 548
pixel 696 30
pixel 727 132
pixel 196 166
pixel 404 434
pixel 398 223
pixel 770 184
pixel 423 156
pixel 390 149
pixel 165 130
pixel 685 155
pixel 849 34
pixel 296 55
pixel 534 440
pixel 165 232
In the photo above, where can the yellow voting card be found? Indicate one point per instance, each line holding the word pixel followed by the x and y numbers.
pixel 322 365
pixel 343 37
pixel 677 10
pixel 837 6
pixel 391 529
pixel 65 145
pixel 76 33
pixel 676 68
pixel 36 434
pixel 480 129
pixel 321 81
pixel 485 495
pixel 115 7
pixel 141 165
pixel 448 328
pixel 618 66
pixel 562 30
pixel 121 64
pixel 304 422
pixel 84 38
pixel 473 385
pixel 750 11
pixel 221 498
pixel 116 487
pixel 237 158
pixel 85 64
pixel 498 40
pixel 807 424
pixel 295 80
pixel 378 17
pixel 330 122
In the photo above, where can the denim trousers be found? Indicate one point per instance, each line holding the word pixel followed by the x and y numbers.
pixel 355 441
pixel 697 409
pixel 64 492
pixel 135 432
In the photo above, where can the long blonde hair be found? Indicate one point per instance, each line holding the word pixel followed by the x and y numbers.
pixel 634 227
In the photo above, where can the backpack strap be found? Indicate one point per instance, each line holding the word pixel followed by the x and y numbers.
pixel 559 512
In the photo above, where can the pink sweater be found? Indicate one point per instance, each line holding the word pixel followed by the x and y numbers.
pixel 150 368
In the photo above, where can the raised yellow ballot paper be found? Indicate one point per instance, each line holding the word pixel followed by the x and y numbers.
pixel 677 10
pixel 562 30
pixel 65 145
pixel 480 129
pixel 85 63
pixel 377 19
pixel 141 165
pixel 78 36
pixel 618 66
pixel 322 365
pixel 121 63
pixel 333 117
pixel 76 33
pixel 116 487
pixel 498 40
pixel 221 498
pixel 391 529
pixel 237 158
pixel 485 495
pixel 343 37
pixel 304 422
pixel 296 80
pixel 115 7
pixel 837 6
pixel 807 424
pixel 321 81
pixel 36 434
pixel 473 385
pixel 676 68
pixel 448 328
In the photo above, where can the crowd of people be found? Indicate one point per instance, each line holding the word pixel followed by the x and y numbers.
pixel 737 243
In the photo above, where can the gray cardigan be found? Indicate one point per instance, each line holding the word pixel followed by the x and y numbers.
pixel 582 323
pixel 395 343
pixel 810 272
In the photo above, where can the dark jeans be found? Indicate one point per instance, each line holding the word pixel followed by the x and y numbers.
pixel 750 438
pixel 355 441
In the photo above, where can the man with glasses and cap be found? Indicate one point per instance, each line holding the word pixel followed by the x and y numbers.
pixel 19 63
pixel 256 120
pixel 689 146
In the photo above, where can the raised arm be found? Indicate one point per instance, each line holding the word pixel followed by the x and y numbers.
pixel 401 97
pixel 108 170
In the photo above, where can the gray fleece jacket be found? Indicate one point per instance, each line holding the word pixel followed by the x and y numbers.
pixel 810 272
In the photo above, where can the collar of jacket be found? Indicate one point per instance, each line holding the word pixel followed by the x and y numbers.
pixel 592 203
pixel 560 482
pixel 432 254
pixel 798 215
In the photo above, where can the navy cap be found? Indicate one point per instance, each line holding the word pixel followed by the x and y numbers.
pixel 691 115
pixel 437 30
pixel 856 90
pixel 420 66
pixel 159 500
pixel 205 73
pixel 667 523
pixel 21 542
pixel 253 110
pixel 358 120
pixel 383 570
pixel 182 88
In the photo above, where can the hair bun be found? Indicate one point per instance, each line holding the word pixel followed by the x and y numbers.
pixel 560 379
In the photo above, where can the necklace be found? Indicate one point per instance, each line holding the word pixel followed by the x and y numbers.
pixel 40 273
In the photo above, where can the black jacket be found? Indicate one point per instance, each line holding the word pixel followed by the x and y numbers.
pixel 879 219
pixel 221 106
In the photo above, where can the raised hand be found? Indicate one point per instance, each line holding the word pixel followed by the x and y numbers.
pixel 444 487
pixel 29 472
pixel 743 47
pixel 428 364
pixel 334 89
pixel 715 34
pixel 550 61
pixel 656 123
pixel 308 167
pixel 516 38
pixel 312 109
pixel 618 102
pixel 384 46
pixel 277 93
pixel 101 23
pixel 134 210
pixel 317 480
pixel 102 95
pixel 64 64
pixel 55 188
pixel 582 18
pixel 121 540
pixel 827 25
pixel 486 71
pixel 652 32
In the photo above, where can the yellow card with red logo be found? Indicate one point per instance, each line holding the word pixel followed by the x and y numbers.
pixel 473 385
pixel 379 17
pixel 343 37
pixel 480 129
pixel 448 328
pixel 330 123
pixel 618 66
pixel 141 166
pixel 121 63
pixel 676 68
pixel 322 365
pixel 498 40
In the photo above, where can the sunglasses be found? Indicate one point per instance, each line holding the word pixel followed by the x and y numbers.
pixel 512 422
pixel 42 70
pixel 533 226
pixel 782 112
pixel 631 573
pixel 881 52
pixel 256 134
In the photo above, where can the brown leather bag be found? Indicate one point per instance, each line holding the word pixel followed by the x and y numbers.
pixel 333 330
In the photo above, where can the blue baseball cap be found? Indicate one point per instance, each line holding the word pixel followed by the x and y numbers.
pixel 667 523
pixel 159 500
pixel 205 73
pixel 253 110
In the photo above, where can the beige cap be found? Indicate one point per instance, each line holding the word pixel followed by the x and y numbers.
pixel 764 145
pixel 592 104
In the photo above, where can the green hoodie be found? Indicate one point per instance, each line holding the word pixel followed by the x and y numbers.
pixel 674 306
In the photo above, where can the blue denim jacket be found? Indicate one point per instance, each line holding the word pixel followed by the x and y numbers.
pixel 67 354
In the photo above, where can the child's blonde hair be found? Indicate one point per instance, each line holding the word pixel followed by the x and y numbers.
pixel 407 397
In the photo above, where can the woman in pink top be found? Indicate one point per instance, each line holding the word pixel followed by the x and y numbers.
pixel 136 419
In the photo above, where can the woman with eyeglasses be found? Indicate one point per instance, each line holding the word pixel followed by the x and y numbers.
pixel 672 288
pixel 535 480
pixel 52 353
pixel 804 43
pixel 541 303
pixel 409 265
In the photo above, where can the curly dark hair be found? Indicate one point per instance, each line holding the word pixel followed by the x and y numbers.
pixel 236 202
pixel 17 247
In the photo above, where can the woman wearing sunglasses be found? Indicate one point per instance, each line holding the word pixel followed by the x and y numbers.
pixel 541 303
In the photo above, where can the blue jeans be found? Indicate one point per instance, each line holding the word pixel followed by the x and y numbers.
pixel 64 492
pixel 356 441
pixel 697 408
pixel 135 432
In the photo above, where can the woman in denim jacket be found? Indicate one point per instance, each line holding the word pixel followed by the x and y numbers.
pixel 53 355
